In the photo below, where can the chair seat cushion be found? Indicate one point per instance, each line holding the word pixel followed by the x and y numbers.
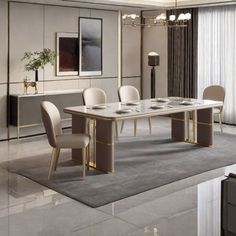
pixel 72 140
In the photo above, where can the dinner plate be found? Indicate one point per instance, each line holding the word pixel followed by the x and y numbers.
pixel 162 100
pixel 187 103
pixel 156 107
pixel 123 111
pixel 132 103
pixel 101 106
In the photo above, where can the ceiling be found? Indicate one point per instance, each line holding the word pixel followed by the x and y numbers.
pixel 156 3
pixel 132 5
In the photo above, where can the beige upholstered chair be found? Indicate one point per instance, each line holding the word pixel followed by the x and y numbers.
pixel 94 96
pixel 216 93
pixel 52 123
pixel 129 93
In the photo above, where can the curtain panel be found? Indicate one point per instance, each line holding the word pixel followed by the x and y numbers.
pixel 217 54
pixel 182 56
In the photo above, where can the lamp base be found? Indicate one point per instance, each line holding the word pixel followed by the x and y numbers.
pixel 153 82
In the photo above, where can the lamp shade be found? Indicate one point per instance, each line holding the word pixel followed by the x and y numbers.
pixel 153 59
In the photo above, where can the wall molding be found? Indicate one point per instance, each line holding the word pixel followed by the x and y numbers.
pixel 79 2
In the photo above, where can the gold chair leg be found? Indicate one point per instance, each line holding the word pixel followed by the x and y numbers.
pixel 56 158
pixel 84 161
pixel 135 127
pixel 94 142
pixel 150 125
pixel 52 163
pixel 194 117
pixel 122 126
pixel 220 121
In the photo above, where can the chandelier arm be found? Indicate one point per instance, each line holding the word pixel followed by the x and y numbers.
pixel 176 10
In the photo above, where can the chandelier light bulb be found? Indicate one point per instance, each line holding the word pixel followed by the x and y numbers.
pixel 124 16
pixel 163 16
pixel 182 17
pixel 188 16
pixel 172 18
pixel 133 16
pixel 158 18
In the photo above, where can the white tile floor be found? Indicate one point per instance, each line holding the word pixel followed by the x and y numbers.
pixel 178 209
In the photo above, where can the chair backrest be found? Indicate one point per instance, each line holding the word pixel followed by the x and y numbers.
pixel 51 120
pixel 128 93
pixel 94 96
pixel 214 92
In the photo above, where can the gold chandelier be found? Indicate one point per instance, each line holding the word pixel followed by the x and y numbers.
pixel 173 20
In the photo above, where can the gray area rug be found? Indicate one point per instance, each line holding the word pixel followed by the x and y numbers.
pixel 141 164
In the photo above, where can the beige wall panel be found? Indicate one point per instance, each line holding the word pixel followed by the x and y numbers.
pixel 3 105
pixel 58 19
pixel 131 51
pixel 60 85
pixel 84 83
pixel 135 81
pixel 26 34
pixel 110 41
pixel 84 12
pixel 109 86
pixel 3 40
pixel 155 39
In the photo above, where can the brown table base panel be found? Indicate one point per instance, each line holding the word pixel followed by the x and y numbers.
pixel 178 126
pixel 205 127
pixel 105 145
pixel 78 126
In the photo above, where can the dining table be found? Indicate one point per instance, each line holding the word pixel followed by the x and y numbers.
pixel 191 121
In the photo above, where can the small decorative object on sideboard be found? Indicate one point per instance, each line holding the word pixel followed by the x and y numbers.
pixel 37 60
pixel 30 84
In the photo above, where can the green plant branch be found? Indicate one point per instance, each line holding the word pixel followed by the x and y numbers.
pixel 36 60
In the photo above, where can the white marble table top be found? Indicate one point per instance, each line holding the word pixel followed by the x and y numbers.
pixel 142 108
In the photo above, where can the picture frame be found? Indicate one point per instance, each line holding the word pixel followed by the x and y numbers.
pixel 90 46
pixel 67 63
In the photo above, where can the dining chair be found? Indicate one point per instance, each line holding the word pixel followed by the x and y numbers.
pixel 128 93
pixel 58 140
pixel 91 97
pixel 216 93
pixel 94 96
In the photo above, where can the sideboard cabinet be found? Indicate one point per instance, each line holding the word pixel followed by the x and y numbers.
pixel 25 109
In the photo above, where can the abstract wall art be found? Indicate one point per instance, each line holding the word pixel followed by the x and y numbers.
pixel 90 46
pixel 67 54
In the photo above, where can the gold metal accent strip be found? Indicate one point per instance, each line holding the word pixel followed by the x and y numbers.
pixel 191 141
pixel 32 125
pixel 93 165
pixel 202 123
pixel 176 119
pixel 101 142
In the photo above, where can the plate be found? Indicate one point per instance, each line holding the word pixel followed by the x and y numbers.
pixel 187 103
pixel 156 107
pixel 162 100
pixel 132 103
pixel 101 106
pixel 124 111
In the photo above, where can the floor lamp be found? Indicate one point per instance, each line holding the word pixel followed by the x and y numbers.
pixel 153 61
